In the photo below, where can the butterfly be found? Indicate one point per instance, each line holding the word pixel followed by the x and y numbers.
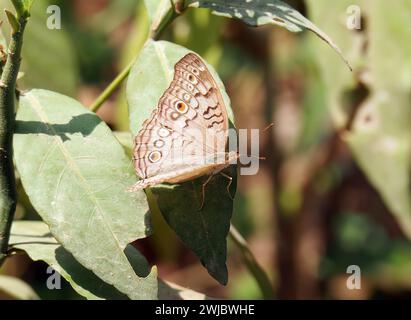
pixel 186 135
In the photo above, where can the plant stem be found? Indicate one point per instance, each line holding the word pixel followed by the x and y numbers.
pixel 8 193
pixel 112 87
pixel 253 266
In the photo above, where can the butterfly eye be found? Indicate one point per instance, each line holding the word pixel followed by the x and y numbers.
pixel 195 71
pixel 181 107
pixel 154 156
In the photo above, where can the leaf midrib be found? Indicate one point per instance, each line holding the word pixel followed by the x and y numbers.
pixel 37 107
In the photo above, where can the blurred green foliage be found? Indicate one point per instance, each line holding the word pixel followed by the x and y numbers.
pixel 298 83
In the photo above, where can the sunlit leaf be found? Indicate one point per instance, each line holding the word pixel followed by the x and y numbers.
pixel 261 12
pixel 76 174
pixel 204 231
pixel 157 10
pixel 16 288
pixel 35 239
pixel 380 134
pixel 171 291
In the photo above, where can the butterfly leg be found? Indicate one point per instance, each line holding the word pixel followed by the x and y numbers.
pixel 229 183
pixel 203 191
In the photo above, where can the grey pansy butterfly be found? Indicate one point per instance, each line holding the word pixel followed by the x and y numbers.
pixel 186 135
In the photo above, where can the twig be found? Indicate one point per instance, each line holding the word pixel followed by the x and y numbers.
pixel 253 266
pixel 8 193
pixel 112 87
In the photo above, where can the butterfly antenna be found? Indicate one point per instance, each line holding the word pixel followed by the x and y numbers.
pixel 265 130
pixel 268 127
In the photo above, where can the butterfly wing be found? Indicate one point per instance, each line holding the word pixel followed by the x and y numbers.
pixel 193 102
pixel 188 128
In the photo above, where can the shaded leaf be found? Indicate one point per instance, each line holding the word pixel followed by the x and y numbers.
pixel 35 239
pixel 17 289
pixel 261 12
pixel 203 231
pixel 76 177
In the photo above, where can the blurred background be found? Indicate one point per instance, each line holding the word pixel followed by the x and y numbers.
pixel 334 188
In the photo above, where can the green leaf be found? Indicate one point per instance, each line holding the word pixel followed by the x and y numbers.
pixel 126 140
pixel 35 239
pixel 336 78
pixel 157 10
pixel 15 25
pixel 203 231
pixel 17 289
pixel 22 7
pixel 76 177
pixel 261 12
pixel 380 134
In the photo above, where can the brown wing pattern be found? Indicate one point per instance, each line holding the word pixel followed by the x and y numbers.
pixel 189 124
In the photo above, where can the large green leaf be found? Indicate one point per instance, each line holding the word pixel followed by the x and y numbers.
pixel 380 133
pixel 16 288
pixel 261 12
pixel 76 175
pixel 35 239
pixel 171 291
pixel 204 231
pixel 337 79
